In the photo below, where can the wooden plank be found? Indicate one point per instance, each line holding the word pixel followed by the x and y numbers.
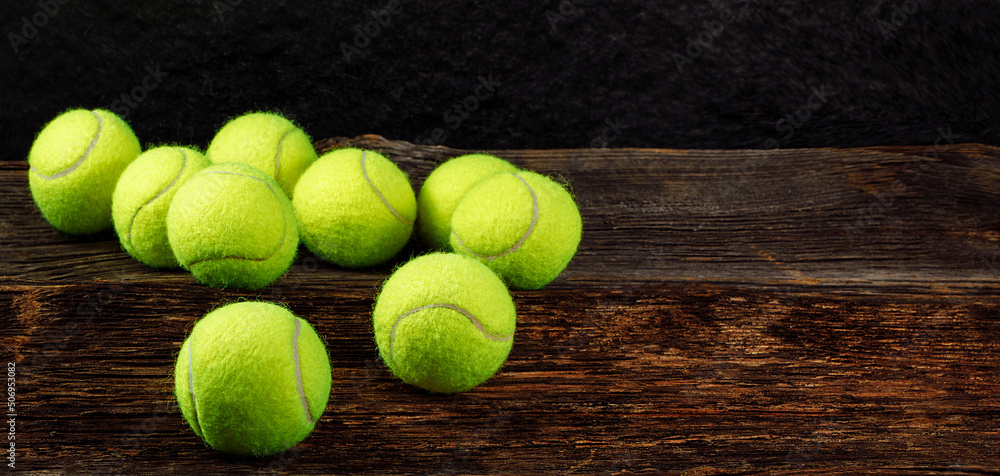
pixel 652 377
pixel 839 219
pixel 774 320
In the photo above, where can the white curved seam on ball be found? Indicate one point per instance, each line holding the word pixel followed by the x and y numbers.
pixel 364 171
pixel 475 322
pixel 194 402
pixel 284 224
pixel 90 148
pixel 298 371
pixel 520 242
pixel 158 195
pixel 277 155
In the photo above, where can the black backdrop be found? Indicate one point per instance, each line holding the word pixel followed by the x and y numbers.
pixel 550 74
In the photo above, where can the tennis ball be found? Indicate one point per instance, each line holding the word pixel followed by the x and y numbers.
pixel 252 379
pixel 74 166
pixel 142 197
pixel 523 225
pixel 268 142
pixel 355 208
pixel 443 189
pixel 232 226
pixel 444 322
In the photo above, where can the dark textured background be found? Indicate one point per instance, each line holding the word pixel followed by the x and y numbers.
pixel 565 70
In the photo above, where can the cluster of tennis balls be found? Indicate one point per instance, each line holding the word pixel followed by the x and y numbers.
pixel 252 378
pixel 234 215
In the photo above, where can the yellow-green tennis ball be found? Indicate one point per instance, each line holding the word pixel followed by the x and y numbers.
pixel 444 322
pixel 443 189
pixel 523 225
pixel 268 142
pixel 355 208
pixel 252 379
pixel 142 197
pixel 232 226
pixel 75 163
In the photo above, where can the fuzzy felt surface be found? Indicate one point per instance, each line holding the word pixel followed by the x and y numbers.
pixel 75 163
pixel 252 379
pixel 267 142
pixel 355 208
pixel 141 199
pixel 232 226
pixel 444 187
pixel 523 225
pixel 444 322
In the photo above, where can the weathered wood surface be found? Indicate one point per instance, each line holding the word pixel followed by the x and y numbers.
pixel 804 311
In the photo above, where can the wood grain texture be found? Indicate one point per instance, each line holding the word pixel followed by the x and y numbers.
pixel 814 311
